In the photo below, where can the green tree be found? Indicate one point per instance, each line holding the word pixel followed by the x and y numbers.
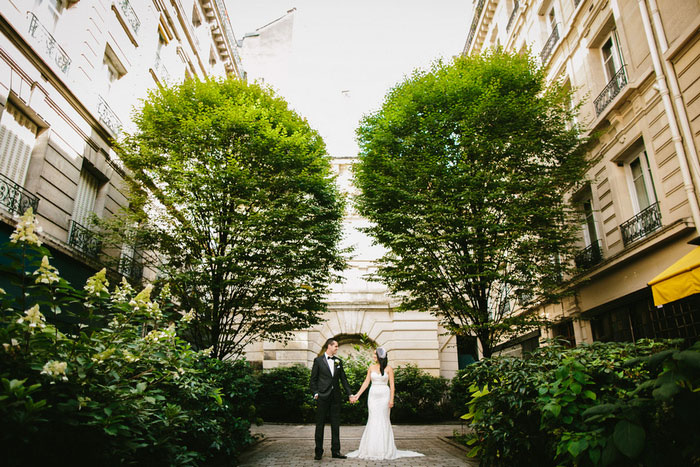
pixel 463 173
pixel 245 220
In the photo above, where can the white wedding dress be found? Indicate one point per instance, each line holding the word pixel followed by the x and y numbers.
pixel 377 441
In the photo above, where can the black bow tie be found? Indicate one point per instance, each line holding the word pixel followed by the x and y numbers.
pixel 331 358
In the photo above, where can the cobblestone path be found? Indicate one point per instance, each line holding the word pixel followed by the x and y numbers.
pixel 293 446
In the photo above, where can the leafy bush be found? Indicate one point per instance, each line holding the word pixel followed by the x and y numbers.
pixel 111 383
pixel 599 404
pixel 420 397
pixel 284 395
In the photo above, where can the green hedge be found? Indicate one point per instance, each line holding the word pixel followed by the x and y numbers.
pixel 619 404
pixel 284 395
pixel 100 376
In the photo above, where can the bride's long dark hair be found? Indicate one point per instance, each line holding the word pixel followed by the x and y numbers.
pixel 382 358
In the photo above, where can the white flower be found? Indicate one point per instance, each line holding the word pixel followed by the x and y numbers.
pixel 104 355
pixel 97 283
pixel 26 230
pixel 13 343
pixel 207 352
pixel 129 357
pixel 165 294
pixel 55 369
pixel 34 317
pixel 122 291
pixel 188 317
pixel 47 273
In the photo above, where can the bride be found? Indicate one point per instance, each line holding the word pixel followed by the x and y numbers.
pixel 377 441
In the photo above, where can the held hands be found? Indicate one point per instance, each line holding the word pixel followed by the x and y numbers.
pixel 353 398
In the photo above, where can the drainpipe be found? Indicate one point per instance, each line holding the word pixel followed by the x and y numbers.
pixel 675 91
pixel 668 108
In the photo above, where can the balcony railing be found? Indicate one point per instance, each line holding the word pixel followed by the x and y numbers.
pixel 475 21
pixel 130 15
pixel 610 91
pixel 131 266
pixel 229 33
pixel 589 256
pixel 549 45
pixel 84 239
pixel 641 225
pixel 513 15
pixel 15 198
pixel 576 3
pixel 108 117
pixel 47 44
pixel 160 69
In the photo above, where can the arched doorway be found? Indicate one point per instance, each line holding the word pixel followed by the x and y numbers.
pixel 353 344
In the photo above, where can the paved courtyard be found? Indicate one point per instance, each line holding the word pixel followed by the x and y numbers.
pixel 293 446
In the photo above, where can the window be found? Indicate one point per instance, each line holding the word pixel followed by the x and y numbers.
pixel 48 12
pixel 590 234
pixel 612 58
pixel 565 331
pixel 196 16
pixel 79 235
pixel 636 317
pixel 17 138
pixel 552 18
pixel 641 182
pixel 467 352
pixel 84 203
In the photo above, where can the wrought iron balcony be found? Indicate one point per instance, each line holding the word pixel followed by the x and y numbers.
pixel 549 45
pixel 160 69
pixel 589 256
pixel 108 117
pixel 84 239
pixel 641 225
pixel 130 15
pixel 513 15
pixel 611 90
pixel 475 21
pixel 47 44
pixel 131 266
pixel 15 198
pixel 229 33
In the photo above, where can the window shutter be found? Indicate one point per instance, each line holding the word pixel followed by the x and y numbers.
pixel 17 138
pixel 85 198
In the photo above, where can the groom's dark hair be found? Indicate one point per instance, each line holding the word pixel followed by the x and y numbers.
pixel 328 342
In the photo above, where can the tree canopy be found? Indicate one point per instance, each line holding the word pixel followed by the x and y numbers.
pixel 242 212
pixel 464 173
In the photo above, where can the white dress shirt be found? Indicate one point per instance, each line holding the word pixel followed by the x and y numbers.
pixel 331 363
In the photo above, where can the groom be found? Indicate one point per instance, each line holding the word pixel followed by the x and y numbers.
pixel 325 375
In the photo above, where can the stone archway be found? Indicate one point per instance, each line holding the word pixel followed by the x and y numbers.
pixel 353 344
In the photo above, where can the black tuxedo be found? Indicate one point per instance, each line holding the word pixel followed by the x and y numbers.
pixel 327 386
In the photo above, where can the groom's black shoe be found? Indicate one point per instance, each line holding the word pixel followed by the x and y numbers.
pixel 337 455
pixel 318 456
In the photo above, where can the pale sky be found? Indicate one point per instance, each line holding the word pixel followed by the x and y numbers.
pixel 347 55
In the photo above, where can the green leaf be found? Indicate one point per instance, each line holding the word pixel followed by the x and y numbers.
pixel 666 391
pixel 554 409
pixel 601 409
pixel 689 357
pixel 629 438
pixel 589 394
pixel 575 448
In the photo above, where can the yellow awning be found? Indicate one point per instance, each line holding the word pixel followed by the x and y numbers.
pixel 679 280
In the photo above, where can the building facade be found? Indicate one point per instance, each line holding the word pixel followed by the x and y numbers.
pixel 360 311
pixel 71 72
pixel 635 66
